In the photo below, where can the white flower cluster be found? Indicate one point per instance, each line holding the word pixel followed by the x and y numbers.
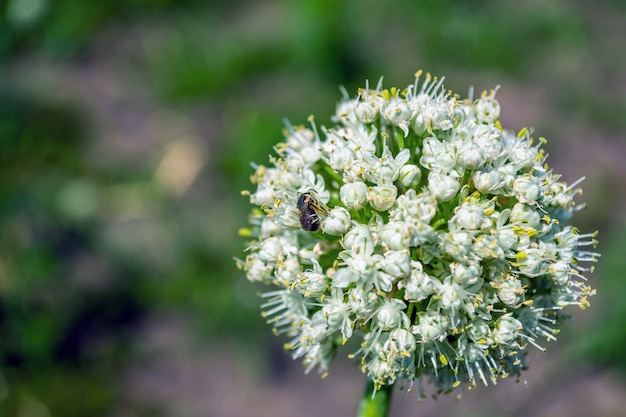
pixel 417 225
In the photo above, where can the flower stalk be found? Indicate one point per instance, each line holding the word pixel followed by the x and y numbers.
pixel 375 402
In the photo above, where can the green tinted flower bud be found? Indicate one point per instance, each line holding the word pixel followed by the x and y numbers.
pixel 397 263
pixel 432 326
pixel 443 187
pixel 337 222
pixel 382 197
pixel 511 292
pixel 395 235
pixel 409 175
pixel 469 216
pixel 391 315
pixel 526 190
pixel 466 274
pixel 354 195
pixel 487 182
pixel 507 329
pixel 524 214
pixel 366 111
pixel 487 108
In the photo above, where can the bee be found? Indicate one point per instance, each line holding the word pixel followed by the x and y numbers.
pixel 309 209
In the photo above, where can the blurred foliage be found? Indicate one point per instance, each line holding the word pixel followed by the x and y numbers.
pixel 65 26
pixel 340 42
pixel 54 325
pixel 603 343
pixel 89 251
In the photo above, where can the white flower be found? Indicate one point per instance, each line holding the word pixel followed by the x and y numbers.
pixel 487 108
pixel 467 274
pixel 397 263
pixel 354 195
pixel 526 190
pixel 313 283
pixel 340 159
pixel 382 197
pixel 409 175
pixel 386 168
pixel 432 326
pixel 470 155
pixel 507 330
pixel 397 112
pixel 391 315
pixel 337 313
pixel 419 285
pixel 401 343
pixel 445 246
pixel 438 155
pixel 444 187
pixel 395 235
pixel 337 222
pixel 469 216
pixel 488 181
pixel 525 216
pixel 412 208
pixel 510 291
pixel 360 238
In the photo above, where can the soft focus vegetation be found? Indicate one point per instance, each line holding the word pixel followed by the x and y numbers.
pixel 126 134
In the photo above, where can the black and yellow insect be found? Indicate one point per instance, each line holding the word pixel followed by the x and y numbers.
pixel 309 209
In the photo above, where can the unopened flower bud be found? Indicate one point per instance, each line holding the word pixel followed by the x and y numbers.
pixel 410 175
pixel 443 187
pixel 382 197
pixel 397 263
pixel 395 235
pixel 469 216
pixel 521 213
pixel 487 109
pixel 432 326
pixel 507 330
pixel 354 195
pixel 391 315
pixel 366 111
pixel 471 156
pixel 340 159
pixel 511 292
pixel 526 190
pixel 337 222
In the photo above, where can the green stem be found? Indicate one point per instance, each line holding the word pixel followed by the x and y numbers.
pixel 375 402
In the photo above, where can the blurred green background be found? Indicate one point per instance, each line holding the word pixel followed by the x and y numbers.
pixel 126 134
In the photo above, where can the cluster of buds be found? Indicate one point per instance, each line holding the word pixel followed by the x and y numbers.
pixel 420 227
